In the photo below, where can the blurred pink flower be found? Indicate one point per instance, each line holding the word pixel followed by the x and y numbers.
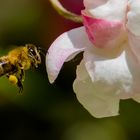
pixel 110 69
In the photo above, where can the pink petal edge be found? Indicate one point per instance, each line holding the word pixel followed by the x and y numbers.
pixel 104 33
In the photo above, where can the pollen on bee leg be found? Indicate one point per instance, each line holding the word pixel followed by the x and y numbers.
pixel 13 79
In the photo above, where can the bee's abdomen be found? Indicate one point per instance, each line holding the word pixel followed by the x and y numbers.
pixel 6 67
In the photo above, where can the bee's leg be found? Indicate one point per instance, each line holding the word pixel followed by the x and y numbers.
pixel 16 80
pixel 20 86
pixel 20 76
pixel 34 64
pixel 20 72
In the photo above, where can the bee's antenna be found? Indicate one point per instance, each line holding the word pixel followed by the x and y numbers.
pixel 42 51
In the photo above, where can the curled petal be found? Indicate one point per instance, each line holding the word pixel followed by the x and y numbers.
pixel 98 99
pixel 100 83
pixel 64 48
pixel 93 3
pixel 133 17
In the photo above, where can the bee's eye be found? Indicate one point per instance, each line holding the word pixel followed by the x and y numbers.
pixel 32 52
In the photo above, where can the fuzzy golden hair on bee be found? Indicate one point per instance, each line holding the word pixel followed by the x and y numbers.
pixel 14 64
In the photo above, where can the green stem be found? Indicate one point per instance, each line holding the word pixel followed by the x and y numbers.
pixel 65 13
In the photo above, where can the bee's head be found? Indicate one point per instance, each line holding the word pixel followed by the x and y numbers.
pixel 33 54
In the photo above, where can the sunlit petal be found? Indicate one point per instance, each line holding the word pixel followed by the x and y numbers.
pixel 98 98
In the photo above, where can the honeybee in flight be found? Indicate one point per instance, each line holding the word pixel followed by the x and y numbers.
pixel 17 61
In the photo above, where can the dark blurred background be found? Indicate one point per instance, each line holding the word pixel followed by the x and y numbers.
pixel 45 111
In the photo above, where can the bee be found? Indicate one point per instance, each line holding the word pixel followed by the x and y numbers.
pixel 14 64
